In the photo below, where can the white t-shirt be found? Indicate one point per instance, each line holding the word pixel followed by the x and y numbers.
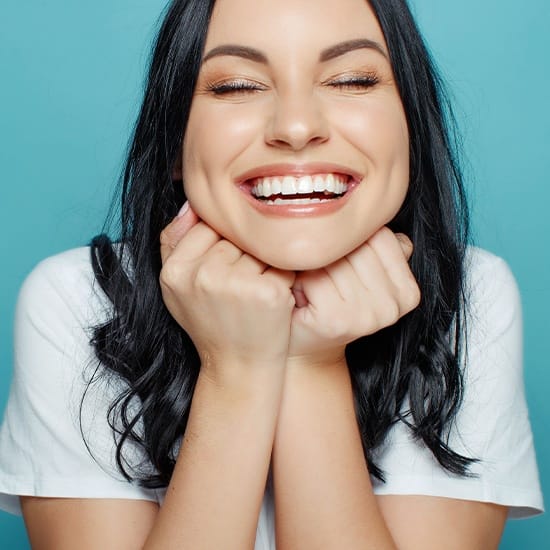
pixel 42 452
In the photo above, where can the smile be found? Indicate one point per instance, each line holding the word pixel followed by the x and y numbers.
pixel 304 189
pixel 299 190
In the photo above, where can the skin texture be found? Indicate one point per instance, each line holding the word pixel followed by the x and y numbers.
pixel 296 113
pixel 271 301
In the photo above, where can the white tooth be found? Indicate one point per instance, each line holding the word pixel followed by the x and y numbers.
pixel 319 183
pixel 330 183
pixel 305 185
pixel 288 186
pixel 340 187
pixel 279 201
pixel 267 188
pixel 259 189
pixel 276 186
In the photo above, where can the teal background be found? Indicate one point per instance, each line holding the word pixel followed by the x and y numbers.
pixel 71 75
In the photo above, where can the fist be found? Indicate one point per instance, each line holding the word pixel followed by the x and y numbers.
pixel 369 289
pixel 236 309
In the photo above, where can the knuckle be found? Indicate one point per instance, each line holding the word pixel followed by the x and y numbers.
pixel 391 314
pixel 165 238
pixel 225 247
pixel 274 294
pixel 394 313
pixel 414 296
pixel 204 279
pixel 269 295
pixel 169 274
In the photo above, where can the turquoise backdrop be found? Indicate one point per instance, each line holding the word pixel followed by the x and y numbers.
pixel 71 76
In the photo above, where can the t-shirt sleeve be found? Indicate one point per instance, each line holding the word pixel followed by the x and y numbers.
pixel 47 448
pixel 493 422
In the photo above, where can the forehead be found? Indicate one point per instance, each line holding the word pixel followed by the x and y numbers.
pixel 291 24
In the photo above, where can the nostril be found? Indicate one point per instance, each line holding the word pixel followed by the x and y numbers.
pixel 297 130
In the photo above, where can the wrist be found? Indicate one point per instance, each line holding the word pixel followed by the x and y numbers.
pixel 232 375
pixel 326 359
pixel 311 379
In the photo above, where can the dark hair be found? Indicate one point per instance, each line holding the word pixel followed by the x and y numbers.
pixel 416 359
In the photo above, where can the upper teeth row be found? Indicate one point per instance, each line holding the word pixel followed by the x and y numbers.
pixel 289 185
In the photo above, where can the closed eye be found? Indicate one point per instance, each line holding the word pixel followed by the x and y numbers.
pixel 234 87
pixel 354 82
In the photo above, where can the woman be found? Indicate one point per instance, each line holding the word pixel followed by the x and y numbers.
pixel 295 343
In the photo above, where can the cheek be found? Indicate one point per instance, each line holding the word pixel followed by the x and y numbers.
pixel 379 131
pixel 216 135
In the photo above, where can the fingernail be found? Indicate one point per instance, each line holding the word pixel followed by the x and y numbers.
pixel 183 209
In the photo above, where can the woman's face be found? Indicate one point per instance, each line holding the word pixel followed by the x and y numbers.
pixel 297 146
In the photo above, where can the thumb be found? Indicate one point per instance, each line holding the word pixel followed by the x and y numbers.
pixel 176 230
pixel 298 292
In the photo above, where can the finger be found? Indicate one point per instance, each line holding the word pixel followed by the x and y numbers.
pixel 193 245
pixel 250 264
pixel 288 278
pixel 393 252
pixel 358 272
pixel 368 268
pixel 319 306
pixel 318 289
pixel 377 299
pixel 223 252
pixel 176 230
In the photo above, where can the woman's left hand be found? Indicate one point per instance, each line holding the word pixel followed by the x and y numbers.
pixel 369 289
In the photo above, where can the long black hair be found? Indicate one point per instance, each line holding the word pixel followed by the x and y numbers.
pixel 409 372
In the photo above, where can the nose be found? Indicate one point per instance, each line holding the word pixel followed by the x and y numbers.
pixel 297 121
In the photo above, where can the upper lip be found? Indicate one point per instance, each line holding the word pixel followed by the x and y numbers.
pixel 297 170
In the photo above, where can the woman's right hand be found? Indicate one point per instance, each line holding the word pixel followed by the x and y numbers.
pixel 236 309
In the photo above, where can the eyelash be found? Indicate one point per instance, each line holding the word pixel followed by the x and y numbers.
pixel 359 81
pixel 244 86
pixel 233 86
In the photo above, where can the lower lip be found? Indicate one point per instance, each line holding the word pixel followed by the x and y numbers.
pixel 300 210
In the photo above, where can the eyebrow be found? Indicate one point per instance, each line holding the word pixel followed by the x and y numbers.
pixel 350 45
pixel 332 52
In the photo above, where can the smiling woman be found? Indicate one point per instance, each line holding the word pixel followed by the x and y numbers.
pixel 292 344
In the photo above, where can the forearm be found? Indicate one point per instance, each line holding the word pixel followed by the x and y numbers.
pixel 215 495
pixel 323 493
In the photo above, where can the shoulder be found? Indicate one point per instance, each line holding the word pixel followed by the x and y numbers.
pixel 66 271
pixel 58 306
pixel 486 272
pixel 492 302
pixel 492 424
pixel 60 287
pixel 493 320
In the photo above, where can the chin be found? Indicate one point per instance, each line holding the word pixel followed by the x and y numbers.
pixel 299 260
